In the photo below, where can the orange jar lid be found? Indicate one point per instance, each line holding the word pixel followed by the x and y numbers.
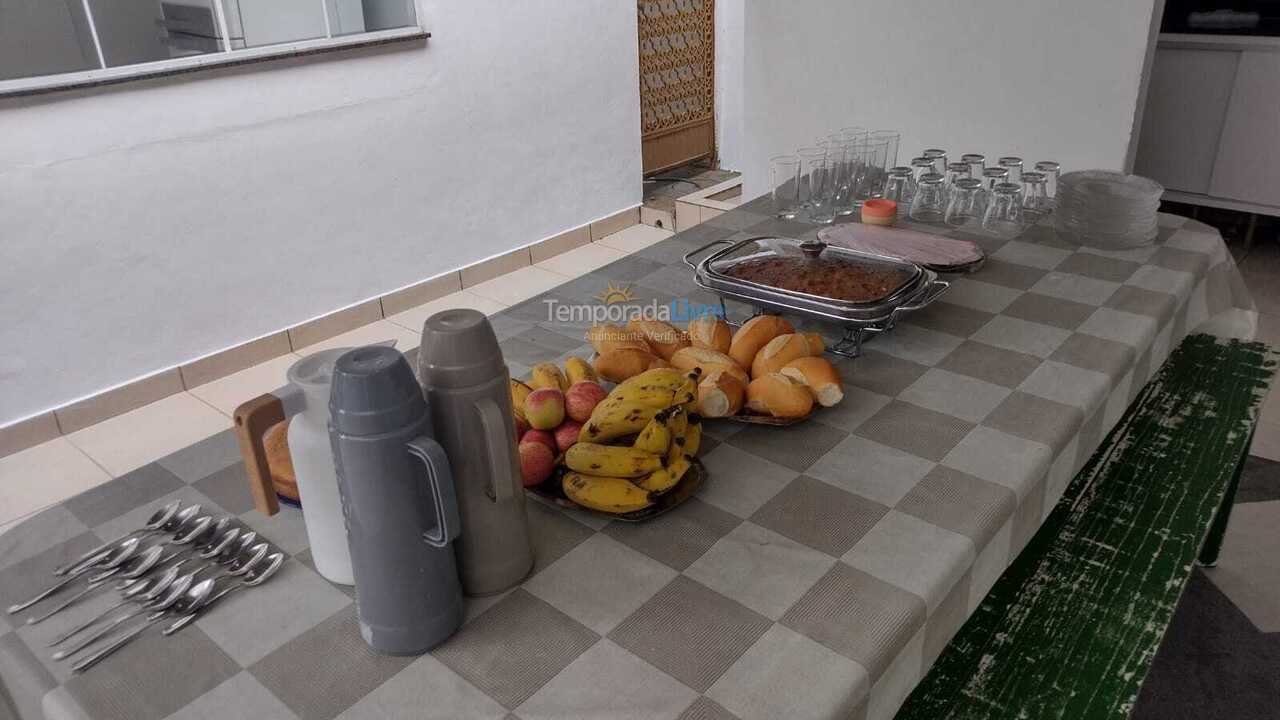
pixel 879 208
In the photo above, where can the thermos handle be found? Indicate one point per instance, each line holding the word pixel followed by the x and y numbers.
pixel 443 496
pixel 500 455
pixel 252 421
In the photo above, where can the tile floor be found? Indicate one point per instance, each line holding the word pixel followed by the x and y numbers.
pixel 53 471
pixel 1228 610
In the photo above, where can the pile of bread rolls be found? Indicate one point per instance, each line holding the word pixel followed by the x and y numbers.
pixel 766 367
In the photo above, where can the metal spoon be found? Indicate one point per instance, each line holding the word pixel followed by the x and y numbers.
pixel 150 586
pixel 191 533
pixel 136 567
pixel 192 597
pixel 157 521
pixel 161 583
pixel 258 574
pixel 175 591
pixel 117 557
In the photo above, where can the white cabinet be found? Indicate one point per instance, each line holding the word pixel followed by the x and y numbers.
pixel 1248 162
pixel 1211 127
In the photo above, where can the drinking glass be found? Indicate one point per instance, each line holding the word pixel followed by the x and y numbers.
pixel 965 206
pixel 808 156
pixel 899 187
pixel 939 158
pixel 1035 198
pixel 892 138
pixel 869 167
pixel 784 173
pixel 955 171
pixel 921 166
pixel 928 204
pixel 1015 167
pixel 977 163
pixel 993 176
pixel 840 155
pixel 852 134
pixel 1051 170
pixel 822 190
pixel 1003 217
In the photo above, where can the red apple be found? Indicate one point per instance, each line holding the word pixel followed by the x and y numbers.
pixel 536 463
pixel 522 426
pixel 567 434
pixel 540 436
pixel 544 408
pixel 582 398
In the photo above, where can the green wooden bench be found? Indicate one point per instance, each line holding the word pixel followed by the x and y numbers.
pixel 1072 626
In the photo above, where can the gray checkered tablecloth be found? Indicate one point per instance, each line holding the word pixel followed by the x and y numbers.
pixel 819 572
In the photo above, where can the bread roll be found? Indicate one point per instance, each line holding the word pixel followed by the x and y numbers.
pixel 664 339
pixel 611 337
pixel 657 362
pixel 720 394
pixel 819 375
pixel 710 332
pixel 817 345
pixel 778 352
pixel 709 360
pixel 618 365
pixel 778 395
pixel 753 335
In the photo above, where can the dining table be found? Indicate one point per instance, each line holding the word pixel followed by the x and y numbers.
pixel 818 572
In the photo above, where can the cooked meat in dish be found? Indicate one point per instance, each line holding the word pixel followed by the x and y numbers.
pixel 830 277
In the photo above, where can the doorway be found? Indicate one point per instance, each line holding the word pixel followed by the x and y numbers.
pixel 677 83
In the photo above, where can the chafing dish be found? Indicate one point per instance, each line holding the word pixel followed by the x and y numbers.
pixel 913 286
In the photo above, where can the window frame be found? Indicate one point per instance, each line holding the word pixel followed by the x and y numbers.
pixel 228 57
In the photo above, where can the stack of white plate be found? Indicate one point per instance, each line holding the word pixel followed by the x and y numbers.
pixel 1107 209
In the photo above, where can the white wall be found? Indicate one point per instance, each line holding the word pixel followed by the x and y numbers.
pixel 1042 79
pixel 730 50
pixel 152 223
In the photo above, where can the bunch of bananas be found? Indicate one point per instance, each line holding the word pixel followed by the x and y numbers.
pixel 611 472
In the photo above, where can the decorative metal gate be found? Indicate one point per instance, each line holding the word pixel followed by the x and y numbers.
pixel 677 83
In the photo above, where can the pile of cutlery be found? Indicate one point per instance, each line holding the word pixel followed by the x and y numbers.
pixel 158 578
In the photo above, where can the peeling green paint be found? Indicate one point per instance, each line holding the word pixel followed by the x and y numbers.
pixel 1072 626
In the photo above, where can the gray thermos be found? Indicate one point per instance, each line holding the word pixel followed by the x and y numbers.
pixel 399 503
pixel 468 389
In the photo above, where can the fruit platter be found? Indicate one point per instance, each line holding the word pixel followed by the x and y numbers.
pixel 620 434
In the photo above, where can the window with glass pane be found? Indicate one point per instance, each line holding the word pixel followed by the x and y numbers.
pixel 52 37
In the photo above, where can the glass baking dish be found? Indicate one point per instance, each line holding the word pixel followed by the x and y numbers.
pixel 915 288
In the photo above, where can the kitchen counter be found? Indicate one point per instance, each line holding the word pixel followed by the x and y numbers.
pixel 819 572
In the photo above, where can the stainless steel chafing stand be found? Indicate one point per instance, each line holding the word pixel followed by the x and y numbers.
pixel 859 320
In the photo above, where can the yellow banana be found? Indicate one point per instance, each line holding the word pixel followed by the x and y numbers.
pixel 519 391
pixel 578 370
pixel 548 375
pixel 693 438
pixel 610 423
pixel 661 377
pixel 678 468
pixel 687 394
pixel 654 438
pixel 610 460
pixel 677 425
pixel 657 482
pixel 606 494
pixel 658 398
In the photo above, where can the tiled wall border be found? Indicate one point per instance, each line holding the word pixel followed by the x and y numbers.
pixel 75 416
pixel 698 207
